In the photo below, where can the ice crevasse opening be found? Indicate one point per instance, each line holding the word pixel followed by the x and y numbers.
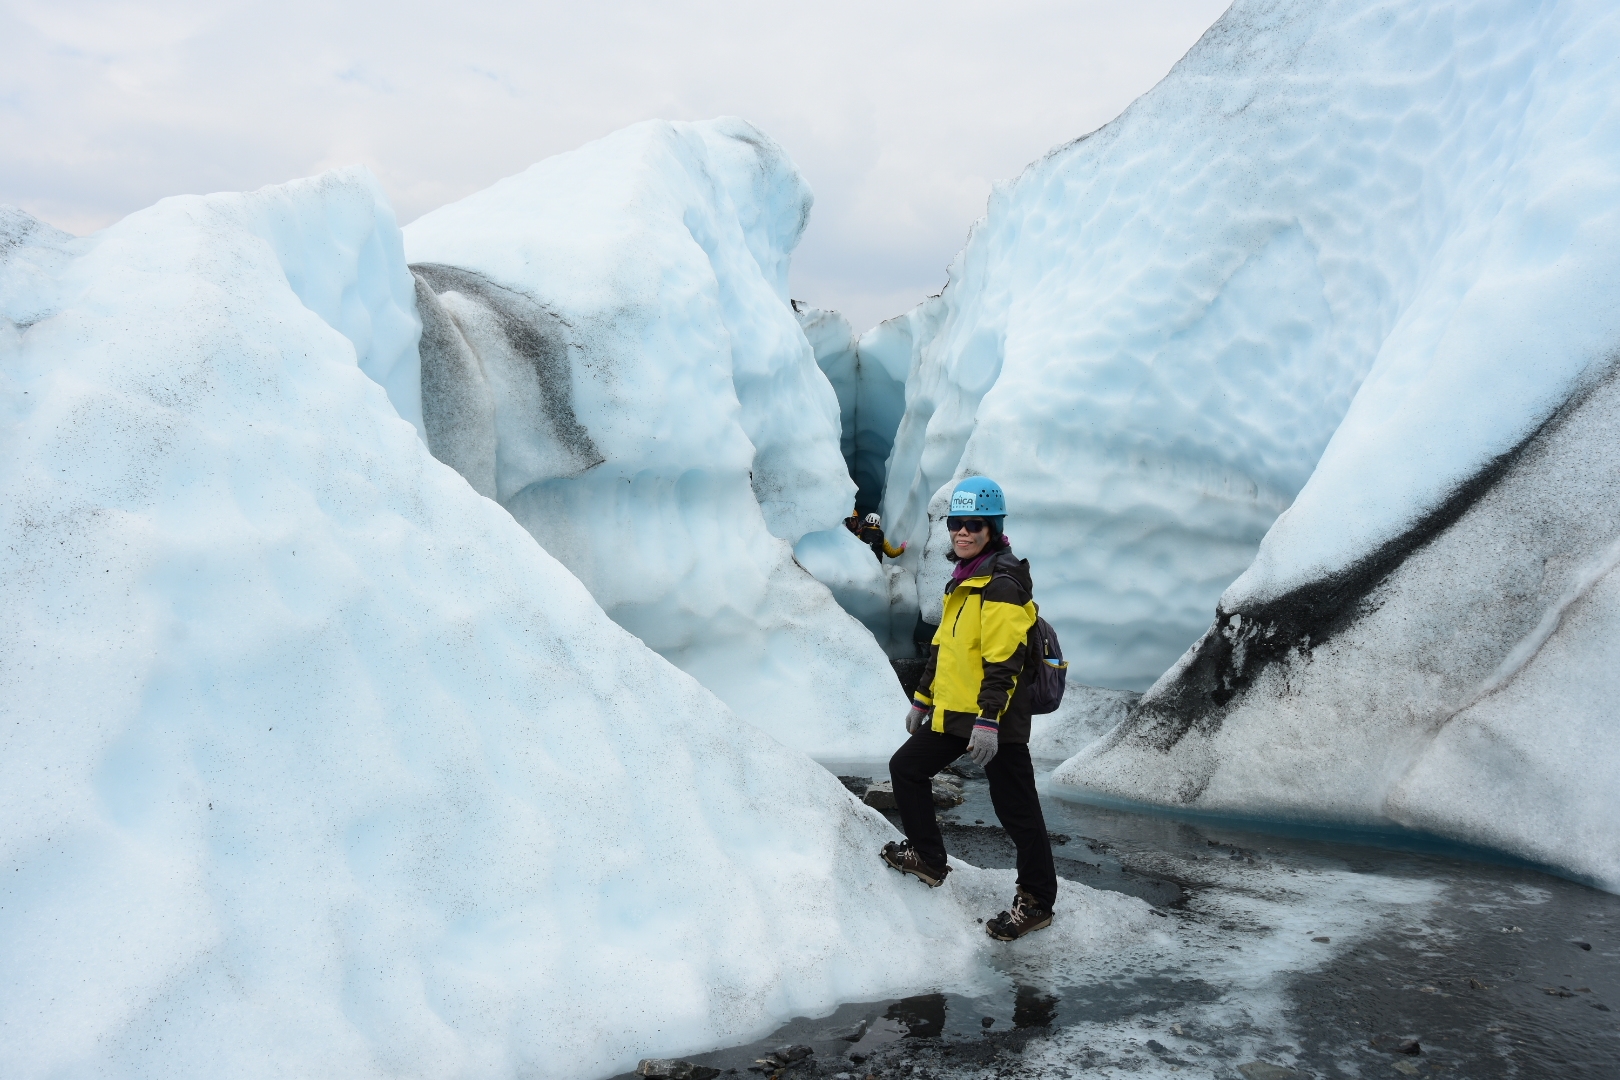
pixel 868 375
pixel 315 761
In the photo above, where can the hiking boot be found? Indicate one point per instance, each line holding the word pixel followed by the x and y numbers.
pixel 1027 914
pixel 904 858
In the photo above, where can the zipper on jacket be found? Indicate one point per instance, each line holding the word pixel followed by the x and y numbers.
pixel 957 621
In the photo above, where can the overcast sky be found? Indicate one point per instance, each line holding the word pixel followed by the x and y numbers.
pixel 899 114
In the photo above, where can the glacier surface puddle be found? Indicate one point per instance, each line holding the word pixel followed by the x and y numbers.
pixel 1302 954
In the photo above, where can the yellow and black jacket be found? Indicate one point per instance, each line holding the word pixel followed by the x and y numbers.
pixel 872 537
pixel 978 652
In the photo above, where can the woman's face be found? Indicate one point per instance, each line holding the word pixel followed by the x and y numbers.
pixel 966 543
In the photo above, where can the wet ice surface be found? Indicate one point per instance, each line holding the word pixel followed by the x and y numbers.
pixel 1495 970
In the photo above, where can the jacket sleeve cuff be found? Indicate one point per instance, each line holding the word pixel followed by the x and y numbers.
pixel 922 701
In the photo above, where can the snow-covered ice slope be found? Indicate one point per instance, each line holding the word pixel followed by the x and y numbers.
pixel 315 763
pixel 609 352
pixel 1152 335
pixel 1429 634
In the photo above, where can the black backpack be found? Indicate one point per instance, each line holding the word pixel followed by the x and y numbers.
pixel 1045 671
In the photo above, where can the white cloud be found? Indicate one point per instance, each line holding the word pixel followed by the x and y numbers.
pixel 900 114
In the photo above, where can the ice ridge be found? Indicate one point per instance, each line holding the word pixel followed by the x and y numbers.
pixel 1154 334
pixel 610 353
pixel 1425 635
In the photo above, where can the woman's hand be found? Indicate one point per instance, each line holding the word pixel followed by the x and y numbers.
pixel 915 719
pixel 983 743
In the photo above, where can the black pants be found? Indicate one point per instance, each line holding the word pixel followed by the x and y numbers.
pixel 1012 793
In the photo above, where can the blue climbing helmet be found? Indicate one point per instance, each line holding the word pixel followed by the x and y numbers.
pixel 978 496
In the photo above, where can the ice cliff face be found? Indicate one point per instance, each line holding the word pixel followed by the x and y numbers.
pixel 833 344
pixel 1459 680
pixel 609 352
pixel 869 376
pixel 1155 331
pixel 315 762
pixel 1429 633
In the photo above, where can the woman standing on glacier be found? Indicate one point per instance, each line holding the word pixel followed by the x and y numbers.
pixel 968 701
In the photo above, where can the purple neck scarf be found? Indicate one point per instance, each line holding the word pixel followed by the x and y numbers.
pixel 967 569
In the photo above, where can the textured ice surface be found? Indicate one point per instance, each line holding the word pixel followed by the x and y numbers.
pixel 610 352
pixel 834 556
pixel 1475 674
pixel 833 343
pixel 315 763
pixel 870 400
pixel 1086 714
pixel 1217 990
pixel 1155 331
pixel 1429 634
pixel 883 362
pixel 32 253
pixel 837 559
pixel 1090 924
pixel 869 378
pixel 1543 743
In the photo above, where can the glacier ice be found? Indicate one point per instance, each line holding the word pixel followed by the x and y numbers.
pixel 315 762
pixel 32 253
pixel 871 397
pixel 869 376
pixel 1460 681
pixel 1086 714
pixel 882 365
pixel 610 353
pixel 832 342
pixel 834 556
pixel 1428 634
pixel 1154 333
pixel 1147 429
pixel 841 562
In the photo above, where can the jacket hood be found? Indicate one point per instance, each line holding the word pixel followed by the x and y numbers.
pixel 1006 562
pixel 1002 562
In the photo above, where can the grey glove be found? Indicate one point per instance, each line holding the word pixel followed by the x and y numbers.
pixel 983 744
pixel 916 719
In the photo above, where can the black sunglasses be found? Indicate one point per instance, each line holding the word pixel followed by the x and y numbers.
pixel 972 525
